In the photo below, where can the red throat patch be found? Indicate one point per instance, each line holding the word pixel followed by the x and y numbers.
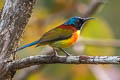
pixel 68 27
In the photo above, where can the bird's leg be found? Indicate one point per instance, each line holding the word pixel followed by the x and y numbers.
pixel 55 52
pixel 67 54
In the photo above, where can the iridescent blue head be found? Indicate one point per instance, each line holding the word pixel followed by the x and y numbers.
pixel 77 22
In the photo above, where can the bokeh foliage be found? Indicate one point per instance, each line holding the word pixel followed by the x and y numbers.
pixel 45 18
pixel 98 29
pixel 49 14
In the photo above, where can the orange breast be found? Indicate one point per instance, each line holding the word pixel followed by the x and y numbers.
pixel 68 42
pixel 74 38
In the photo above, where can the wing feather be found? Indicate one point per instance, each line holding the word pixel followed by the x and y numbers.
pixel 56 35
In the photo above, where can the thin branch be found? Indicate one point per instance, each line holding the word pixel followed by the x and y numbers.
pixel 46 59
pixel 100 72
pixel 93 7
pixel 98 42
pixel 27 71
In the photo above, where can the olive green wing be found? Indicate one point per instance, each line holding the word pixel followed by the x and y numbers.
pixel 56 35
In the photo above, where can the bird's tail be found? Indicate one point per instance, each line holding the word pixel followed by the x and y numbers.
pixel 28 45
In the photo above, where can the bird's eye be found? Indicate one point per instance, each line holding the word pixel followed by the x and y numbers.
pixel 77 21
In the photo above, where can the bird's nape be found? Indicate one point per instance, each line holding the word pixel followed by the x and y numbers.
pixel 77 21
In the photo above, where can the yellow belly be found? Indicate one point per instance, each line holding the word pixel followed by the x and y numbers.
pixel 68 42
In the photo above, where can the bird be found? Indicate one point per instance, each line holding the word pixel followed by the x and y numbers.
pixel 62 36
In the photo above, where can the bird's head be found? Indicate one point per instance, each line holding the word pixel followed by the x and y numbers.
pixel 77 22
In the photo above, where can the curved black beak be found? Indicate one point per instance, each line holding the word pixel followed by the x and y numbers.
pixel 89 18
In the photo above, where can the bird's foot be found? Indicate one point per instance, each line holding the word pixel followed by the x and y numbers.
pixel 67 54
pixel 55 55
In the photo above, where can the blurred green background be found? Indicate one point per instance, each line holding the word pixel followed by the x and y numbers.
pixel 48 14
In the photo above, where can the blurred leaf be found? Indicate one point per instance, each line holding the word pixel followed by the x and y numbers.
pixel 58 71
pixel 82 72
pixel 54 6
pixel 98 29
pixel 37 76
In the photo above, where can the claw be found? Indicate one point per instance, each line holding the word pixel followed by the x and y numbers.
pixel 55 53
